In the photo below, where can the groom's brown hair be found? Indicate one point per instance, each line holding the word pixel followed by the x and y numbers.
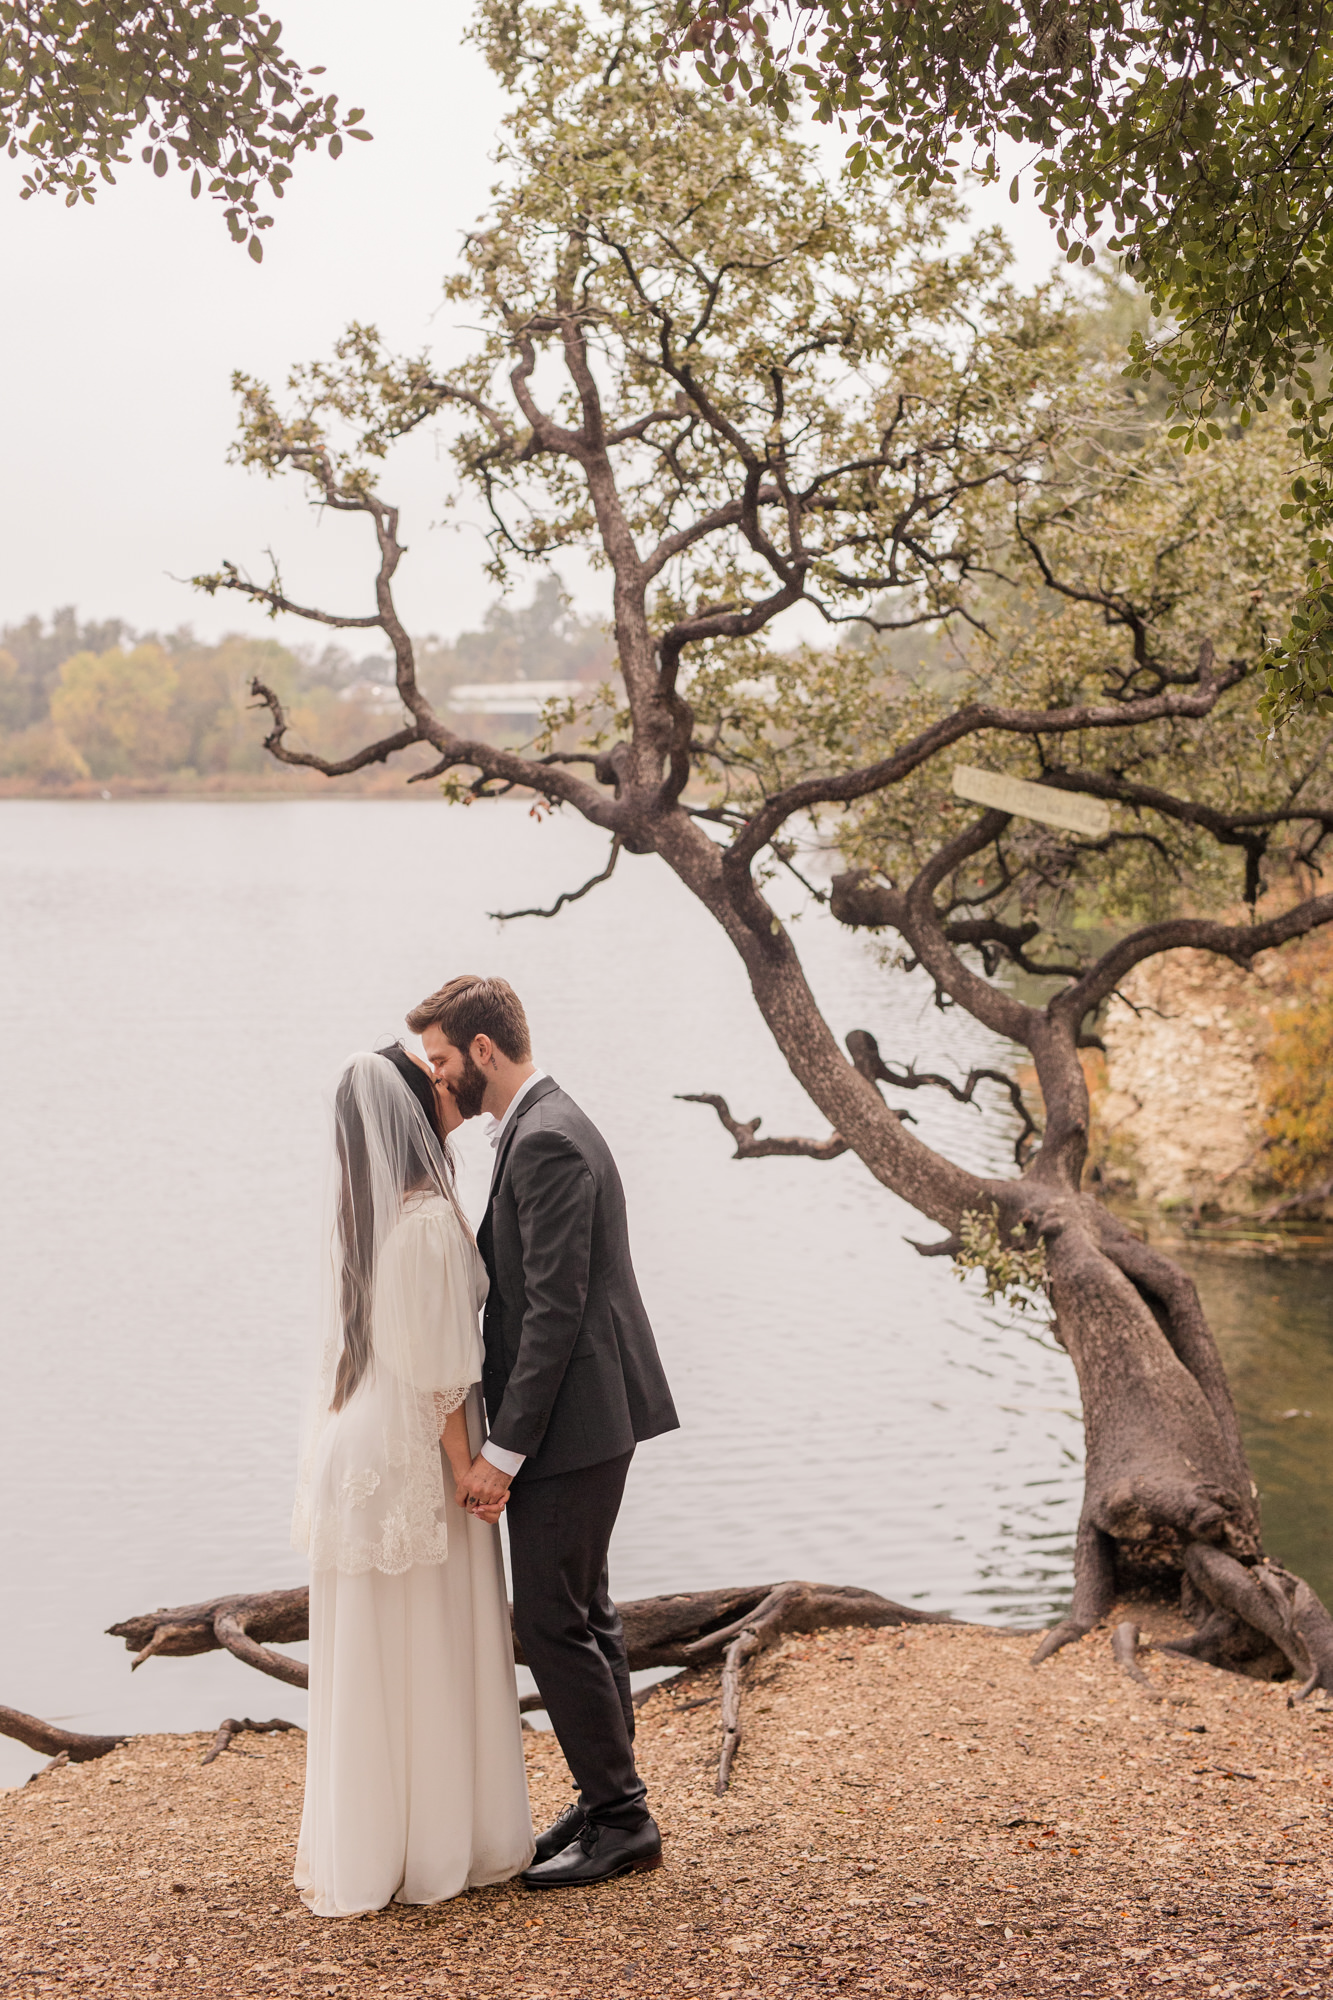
pixel 468 1006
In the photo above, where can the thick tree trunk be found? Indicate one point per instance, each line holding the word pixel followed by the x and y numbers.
pixel 1169 1503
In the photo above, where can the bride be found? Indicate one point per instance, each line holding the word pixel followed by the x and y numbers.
pixel 415 1787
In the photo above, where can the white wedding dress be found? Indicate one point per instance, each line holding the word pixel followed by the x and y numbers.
pixel 415 1784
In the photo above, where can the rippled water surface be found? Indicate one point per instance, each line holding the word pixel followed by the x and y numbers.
pixel 179 984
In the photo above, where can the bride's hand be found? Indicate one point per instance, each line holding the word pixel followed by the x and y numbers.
pixel 457 1450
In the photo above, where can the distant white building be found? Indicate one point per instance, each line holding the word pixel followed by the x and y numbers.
pixel 372 694
pixel 513 697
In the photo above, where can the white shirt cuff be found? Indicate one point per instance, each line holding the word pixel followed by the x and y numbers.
pixel 504 1461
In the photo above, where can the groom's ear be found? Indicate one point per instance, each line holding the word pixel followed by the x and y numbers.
pixel 482 1050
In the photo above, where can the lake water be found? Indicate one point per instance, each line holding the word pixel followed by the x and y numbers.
pixel 180 982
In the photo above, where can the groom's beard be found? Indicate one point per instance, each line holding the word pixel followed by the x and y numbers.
pixel 470 1088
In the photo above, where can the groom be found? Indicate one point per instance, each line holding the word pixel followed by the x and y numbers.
pixel 573 1382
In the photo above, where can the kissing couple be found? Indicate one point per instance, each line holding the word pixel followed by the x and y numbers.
pixel 426 1428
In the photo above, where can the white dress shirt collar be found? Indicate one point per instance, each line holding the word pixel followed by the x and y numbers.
pixel 500 1125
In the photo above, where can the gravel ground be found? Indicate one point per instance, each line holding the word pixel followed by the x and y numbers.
pixel 912 1813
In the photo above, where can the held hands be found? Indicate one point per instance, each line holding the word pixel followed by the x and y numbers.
pixel 479 1487
pixel 483 1490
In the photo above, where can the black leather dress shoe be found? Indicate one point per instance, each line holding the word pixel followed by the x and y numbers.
pixel 560 1832
pixel 597 1855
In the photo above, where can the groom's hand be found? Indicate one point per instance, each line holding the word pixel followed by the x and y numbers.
pixel 483 1488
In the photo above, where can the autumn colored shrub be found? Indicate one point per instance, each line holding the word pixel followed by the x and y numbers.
pixel 1298 1079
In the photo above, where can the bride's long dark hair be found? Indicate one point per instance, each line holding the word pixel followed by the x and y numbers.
pixel 388 1108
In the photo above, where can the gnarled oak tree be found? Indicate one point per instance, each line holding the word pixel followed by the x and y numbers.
pixel 745 388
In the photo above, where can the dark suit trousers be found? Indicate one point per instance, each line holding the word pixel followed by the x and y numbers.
pixel 559 1534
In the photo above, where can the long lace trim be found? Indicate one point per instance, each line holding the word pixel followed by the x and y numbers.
pixel 389 1521
pixel 449 1400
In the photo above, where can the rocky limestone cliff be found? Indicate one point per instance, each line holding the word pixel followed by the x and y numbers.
pixel 1180 1115
pixel 1198 1054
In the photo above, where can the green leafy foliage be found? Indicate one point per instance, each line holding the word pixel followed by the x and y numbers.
pixel 544 639
pixel 1013 1275
pixel 1108 575
pixel 115 708
pixel 1190 141
pixel 206 85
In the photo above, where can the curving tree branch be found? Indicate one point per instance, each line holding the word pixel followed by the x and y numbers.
pixel 66 1744
pixel 688 1628
pixel 567 895
pixel 750 1148
pixel 1242 944
pixel 864 1052
pixel 979 718
pixel 372 753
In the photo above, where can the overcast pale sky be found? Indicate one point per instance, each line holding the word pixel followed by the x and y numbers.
pixel 124 321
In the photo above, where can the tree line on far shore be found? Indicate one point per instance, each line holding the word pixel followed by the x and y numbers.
pixel 86 702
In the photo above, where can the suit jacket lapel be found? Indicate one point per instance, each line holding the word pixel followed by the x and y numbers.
pixel 539 1090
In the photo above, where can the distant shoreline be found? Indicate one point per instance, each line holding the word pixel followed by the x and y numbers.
pixel 228 787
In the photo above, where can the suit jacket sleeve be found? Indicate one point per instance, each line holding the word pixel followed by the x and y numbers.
pixel 556 1196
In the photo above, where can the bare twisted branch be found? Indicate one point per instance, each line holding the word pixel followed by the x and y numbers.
pixel 750 1148
pixel 567 895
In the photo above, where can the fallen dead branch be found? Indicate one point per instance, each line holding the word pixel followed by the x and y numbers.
pixel 680 1629
pixel 739 1653
pixel 244 1625
pixel 691 1628
pixel 54 1742
pixel 231 1727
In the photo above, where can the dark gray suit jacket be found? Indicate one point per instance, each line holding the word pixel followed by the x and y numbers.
pixel 572 1374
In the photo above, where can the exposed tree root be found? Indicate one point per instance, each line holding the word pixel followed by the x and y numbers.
pixel 1250 1611
pixel 66 1744
pixel 1125 1651
pixel 530 1704
pixel 657 1630
pixel 1168 1496
pixel 739 1652
pixel 1264 1599
pixel 1094 1589
pixel 231 1727
pixel 239 1624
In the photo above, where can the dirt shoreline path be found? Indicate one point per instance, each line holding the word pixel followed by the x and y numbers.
pixel 914 1813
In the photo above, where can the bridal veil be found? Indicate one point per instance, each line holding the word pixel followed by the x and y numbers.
pixel 401 1344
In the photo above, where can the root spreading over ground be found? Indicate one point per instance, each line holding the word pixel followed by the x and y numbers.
pixel 913 1812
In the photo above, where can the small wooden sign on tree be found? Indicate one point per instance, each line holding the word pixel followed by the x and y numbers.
pixel 1015 795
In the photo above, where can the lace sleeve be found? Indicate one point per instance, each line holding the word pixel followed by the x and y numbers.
pixel 447 1401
